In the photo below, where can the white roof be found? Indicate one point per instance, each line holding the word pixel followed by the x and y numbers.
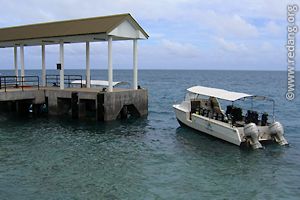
pixel 99 83
pixel 218 93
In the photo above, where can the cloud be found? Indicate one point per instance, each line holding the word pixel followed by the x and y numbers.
pixel 250 9
pixel 231 25
pixel 181 32
pixel 180 49
pixel 230 46
pixel 157 35
pixel 267 46
pixel 272 28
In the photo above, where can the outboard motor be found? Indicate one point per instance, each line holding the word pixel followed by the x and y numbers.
pixel 276 131
pixel 251 131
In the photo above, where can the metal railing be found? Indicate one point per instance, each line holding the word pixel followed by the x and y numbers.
pixel 19 82
pixel 54 80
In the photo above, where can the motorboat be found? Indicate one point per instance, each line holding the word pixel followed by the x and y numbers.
pixel 202 111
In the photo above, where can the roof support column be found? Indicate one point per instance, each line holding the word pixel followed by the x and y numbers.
pixel 110 70
pixel 22 60
pixel 135 67
pixel 16 61
pixel 43 66
pixel 88 70
pixel 61 58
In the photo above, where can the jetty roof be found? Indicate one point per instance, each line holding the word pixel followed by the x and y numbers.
pixel 120 27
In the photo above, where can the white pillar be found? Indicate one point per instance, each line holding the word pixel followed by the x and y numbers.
pixel 16 61
pixel 135 68
pixel 88 70
pixel 61 58
pixel 43 66
pixel 22 61
pixel 110 71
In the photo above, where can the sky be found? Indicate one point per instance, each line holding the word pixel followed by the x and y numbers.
pixel 184 34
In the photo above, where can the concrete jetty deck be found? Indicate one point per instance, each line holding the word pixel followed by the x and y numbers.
pixel 77 102
pixel 24 94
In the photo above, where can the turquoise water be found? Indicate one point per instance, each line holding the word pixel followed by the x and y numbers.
pixel 151 157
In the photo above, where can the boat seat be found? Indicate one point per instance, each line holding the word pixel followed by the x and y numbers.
pixel 239 123
pixel 195 106
pixel 204 103
pixel 251 116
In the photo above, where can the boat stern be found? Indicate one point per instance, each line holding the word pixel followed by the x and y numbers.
pixel 255 135
pixel 277 132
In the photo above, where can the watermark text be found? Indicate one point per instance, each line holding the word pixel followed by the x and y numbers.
pixel 292 30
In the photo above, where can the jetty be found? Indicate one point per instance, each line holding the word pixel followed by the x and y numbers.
pixel 56 94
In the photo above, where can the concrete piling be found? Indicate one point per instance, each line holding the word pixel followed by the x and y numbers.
pixel 78 102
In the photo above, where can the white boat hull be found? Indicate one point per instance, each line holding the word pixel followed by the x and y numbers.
pixel 209 126
pixel 203 114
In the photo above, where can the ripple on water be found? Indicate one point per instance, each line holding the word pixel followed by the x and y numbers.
pixel 153 157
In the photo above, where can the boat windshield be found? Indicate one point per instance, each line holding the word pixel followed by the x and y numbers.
pixel 192 96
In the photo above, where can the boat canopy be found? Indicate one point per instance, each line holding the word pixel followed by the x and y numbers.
pixel 218 93
pixel 101 83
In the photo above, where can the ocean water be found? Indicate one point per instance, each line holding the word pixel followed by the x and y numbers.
pixel 151 157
